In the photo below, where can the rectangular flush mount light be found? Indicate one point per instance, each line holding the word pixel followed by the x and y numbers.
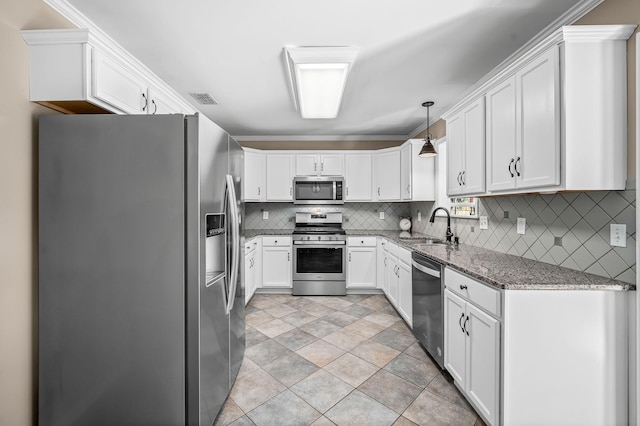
pixel 318 76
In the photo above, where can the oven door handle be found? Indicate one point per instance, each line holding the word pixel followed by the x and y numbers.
pixel 426 270
pixel 319 243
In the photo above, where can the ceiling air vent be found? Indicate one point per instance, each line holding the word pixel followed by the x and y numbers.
pixel 204 98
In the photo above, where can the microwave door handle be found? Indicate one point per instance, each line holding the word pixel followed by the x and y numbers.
pixel 334 189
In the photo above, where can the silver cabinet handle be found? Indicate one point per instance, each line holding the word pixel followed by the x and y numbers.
pixel 290 190
pixel 347 191
pixel 315 167
pixel 146 102
pixel 288 257
pixel 465 325
pixel 515 166
pixel 459 182
pixel 378 190
pixel 385 261
pixel 464 172
pixel 460 322
pixel 258 190
pixel 349 257
pixel 155 106
pixel 510 164
pixel 408 189
pixel 322 167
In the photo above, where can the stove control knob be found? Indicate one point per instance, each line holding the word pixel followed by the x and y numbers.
pixel 308 238
pixel 319 238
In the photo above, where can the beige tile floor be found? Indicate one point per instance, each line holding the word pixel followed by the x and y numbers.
pixel 349 360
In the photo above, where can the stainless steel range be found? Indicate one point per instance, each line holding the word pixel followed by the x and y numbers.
pixel 319 255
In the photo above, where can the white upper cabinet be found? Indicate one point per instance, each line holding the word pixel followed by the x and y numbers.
pixel 357 177
pixel 280 172
pixel 319 164
pixel 405 172
pixel 75 71
pixel 387 174
pixel 523 127
pixel 417 174
pixel 556 117
pixel 466 150
pixel 254 176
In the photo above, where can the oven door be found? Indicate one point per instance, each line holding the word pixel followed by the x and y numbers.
pixel 319 262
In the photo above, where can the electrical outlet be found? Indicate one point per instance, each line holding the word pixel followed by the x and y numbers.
pixel 484 223
pixel 382 215
pixel 419 216
pixel 265 215
pixel 618 235
pixel 521 225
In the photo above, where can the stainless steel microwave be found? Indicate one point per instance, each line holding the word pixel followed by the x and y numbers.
pixel 318 190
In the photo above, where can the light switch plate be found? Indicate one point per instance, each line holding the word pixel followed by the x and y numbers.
pixel 484 223
pixel 618 235
pixel 521 225
pixel 265 215
pixel 382 215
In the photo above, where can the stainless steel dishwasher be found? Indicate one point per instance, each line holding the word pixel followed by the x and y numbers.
pixel 428 305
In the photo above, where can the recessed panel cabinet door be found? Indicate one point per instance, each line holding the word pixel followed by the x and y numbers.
pixel 405 299
pixel 357 178
pixel 455 154
pixel 473 174
pixel 280 177
pixel 501 136
pixel 455 337
pixel 538 101
pixel 483 362
pixel 115 84
pixel 276 266
pixel 361 267
pixel 387 172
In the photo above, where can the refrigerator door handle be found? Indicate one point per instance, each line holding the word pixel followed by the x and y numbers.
pixel 235 241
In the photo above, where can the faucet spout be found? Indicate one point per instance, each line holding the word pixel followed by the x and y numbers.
pixel 449 234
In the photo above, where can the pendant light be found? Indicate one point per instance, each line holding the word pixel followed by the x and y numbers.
pixel 427 149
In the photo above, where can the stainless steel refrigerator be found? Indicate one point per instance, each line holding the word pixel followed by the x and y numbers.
pixel 141 298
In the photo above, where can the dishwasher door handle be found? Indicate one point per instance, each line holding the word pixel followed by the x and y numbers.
pixel 422 268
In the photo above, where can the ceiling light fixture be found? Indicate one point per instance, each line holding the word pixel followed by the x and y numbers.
pixel 428 149
pixel 318 76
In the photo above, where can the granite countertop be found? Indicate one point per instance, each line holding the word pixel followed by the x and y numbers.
pixel 251 233
pixel 497 269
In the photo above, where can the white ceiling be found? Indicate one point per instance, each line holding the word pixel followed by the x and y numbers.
pixel 410 51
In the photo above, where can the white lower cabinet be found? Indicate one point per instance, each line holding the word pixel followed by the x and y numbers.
pixel 405 301
pixel 249 271
pixel 472 346
pixel 380 264
pixel 276 261
pixel 361 262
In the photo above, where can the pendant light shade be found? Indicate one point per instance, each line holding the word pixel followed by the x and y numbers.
pixel 428 149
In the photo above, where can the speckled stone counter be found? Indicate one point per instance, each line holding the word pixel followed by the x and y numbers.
pixel 250 233
pixel 502 270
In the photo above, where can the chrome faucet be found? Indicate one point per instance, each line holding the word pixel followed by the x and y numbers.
pixel 449 234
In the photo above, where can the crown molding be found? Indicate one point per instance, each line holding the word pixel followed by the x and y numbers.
pixel 317 138
pixel 588 33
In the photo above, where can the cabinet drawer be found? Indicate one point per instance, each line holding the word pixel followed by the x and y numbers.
pixel 392 248
pixel 278 240
pixel 385 244
pixel 474 291
pixel 361 241
pixel 404 255
pixel 250 245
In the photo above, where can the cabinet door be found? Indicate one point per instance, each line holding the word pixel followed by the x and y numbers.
pixel 332 165
pixel 280 177
pixel 501 136
pixel 473 173
pixel 161 104
pixel 538 102
pixel 380 265
pixel 405 172
pixel 357 177
pixel 115 84
pixel 307 165
pixel 405 299
pixel 254 172
pixel 361 267
pixel 276 266
pixel 387 172
pixel 454 337
pixel 249 277
pixel 483 362
pixel 455 154
pixel 392 280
